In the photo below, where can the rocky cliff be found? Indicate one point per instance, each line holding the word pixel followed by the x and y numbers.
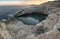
pixel 47 29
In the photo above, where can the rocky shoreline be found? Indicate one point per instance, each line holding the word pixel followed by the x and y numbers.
pixel 47 29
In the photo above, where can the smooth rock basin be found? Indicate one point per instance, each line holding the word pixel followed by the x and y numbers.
pixel 31 19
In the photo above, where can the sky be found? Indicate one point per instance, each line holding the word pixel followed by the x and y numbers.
pixel 22 2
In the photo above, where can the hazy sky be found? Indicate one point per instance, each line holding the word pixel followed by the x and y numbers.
pixel 22 2
pixel 17 0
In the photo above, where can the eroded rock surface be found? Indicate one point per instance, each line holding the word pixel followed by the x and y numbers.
pixel 47 29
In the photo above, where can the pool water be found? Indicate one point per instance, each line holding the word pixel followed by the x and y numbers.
pixel 31 19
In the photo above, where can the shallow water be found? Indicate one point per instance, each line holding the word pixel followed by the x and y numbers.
pixel 31 19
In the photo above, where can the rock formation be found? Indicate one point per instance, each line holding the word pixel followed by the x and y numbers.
pixel 17 30
pixel 4 33
pixel 53 16
pixel 53 34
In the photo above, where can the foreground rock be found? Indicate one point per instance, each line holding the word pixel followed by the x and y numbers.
pixel 18 30
pixel 53 34
pixel 53 17
pixel 4 33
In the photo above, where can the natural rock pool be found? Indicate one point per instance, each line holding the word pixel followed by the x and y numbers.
pixel 31 19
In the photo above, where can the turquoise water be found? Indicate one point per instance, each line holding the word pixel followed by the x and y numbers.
pixel 32 19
